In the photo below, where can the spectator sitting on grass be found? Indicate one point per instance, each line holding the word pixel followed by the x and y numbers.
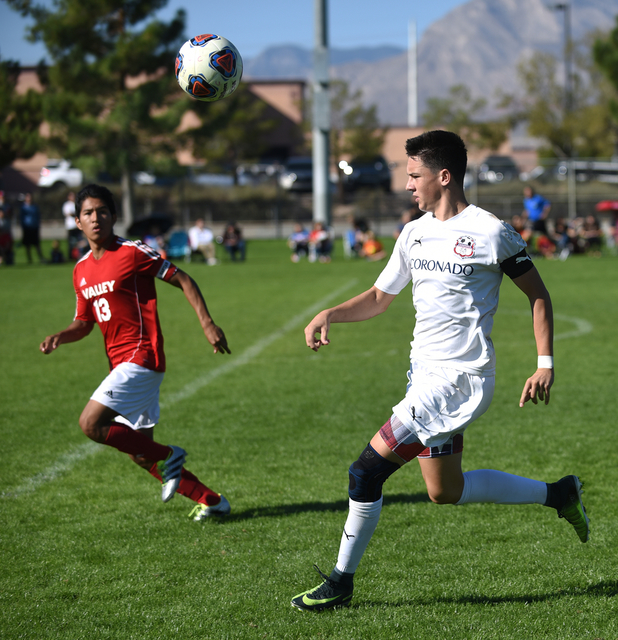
pixel 201 239
pixel 298 242
pixel 373 249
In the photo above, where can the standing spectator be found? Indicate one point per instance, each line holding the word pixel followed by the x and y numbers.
pixel 298 242
pixel 30 220
pixel 536 210
pixel 6 232
pixel 233 241
pixel 201 239
pixel 74 235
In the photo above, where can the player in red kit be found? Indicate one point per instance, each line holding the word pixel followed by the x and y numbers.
pixel 115 287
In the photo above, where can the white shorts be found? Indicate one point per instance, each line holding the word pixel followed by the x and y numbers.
pixel 441 402
pixel 133 392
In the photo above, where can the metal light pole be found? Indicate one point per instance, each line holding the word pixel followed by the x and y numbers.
pixel 412 76
pixel 568 101
pixel 568 75
pixel 321 117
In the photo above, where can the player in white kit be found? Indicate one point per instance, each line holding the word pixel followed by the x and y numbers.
pixel 455 256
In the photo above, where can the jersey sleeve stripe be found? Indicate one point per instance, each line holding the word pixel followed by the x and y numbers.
pixel 144 248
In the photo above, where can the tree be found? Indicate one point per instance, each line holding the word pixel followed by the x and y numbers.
pixel 460 113
pixel 20 117
pixel 111 98
pixel 581 130
pixel 605 53
pixel 355 129
pixel 230 130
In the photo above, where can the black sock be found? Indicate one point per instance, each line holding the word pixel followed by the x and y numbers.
pixel 344 579
pixel 555 497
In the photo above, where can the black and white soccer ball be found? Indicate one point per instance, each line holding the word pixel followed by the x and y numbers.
pixel 208 67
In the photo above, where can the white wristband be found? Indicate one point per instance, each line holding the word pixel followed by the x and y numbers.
pixel 545 362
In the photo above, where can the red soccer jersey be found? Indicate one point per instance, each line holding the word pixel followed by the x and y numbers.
pixel 118 293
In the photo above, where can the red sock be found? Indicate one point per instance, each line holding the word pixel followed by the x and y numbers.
pixel 191 487
pixel 135 443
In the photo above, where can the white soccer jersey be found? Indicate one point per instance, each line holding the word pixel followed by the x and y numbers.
pixel 455 268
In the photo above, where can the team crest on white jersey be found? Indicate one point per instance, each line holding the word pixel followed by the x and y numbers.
pixel 465 246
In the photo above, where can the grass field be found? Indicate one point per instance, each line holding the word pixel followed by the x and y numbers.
pixel 89 550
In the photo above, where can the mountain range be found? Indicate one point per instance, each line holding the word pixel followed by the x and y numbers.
pixel 478 44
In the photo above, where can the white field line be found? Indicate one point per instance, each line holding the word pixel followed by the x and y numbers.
pixel 67 461
pixel 582 327
pixel 255 349
pixel 64 463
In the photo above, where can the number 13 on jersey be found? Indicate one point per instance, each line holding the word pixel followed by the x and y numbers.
pixel 101 307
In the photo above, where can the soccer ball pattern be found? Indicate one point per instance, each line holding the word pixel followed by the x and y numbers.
pixel 208 67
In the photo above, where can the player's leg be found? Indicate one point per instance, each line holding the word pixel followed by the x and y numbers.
pixel 374 466
pixel 126 402
pixel 446 484
pixel 209 502
pixel 443 477
pixel 98 423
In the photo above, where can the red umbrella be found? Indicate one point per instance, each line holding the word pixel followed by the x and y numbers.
pixel 607 205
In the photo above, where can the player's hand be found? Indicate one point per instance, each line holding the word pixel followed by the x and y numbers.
pixel 537 387
pixel 217 339
pixel 318 326
pixel 49 344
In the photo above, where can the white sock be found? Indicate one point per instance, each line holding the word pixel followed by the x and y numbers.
pixel 488 485
pixel 359 527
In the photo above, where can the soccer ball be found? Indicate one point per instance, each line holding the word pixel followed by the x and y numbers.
pixel 208 67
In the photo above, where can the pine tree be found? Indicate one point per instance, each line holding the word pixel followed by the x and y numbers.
pixel 111 98
pixel 20 117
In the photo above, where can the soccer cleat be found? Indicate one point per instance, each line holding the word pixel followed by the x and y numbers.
pixel 203 511
pixel 327 595
pixel 572 509
pixel 170 470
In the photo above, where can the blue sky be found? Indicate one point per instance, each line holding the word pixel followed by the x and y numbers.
pixel 254 25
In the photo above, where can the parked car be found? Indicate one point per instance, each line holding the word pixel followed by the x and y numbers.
pixel 297 174
pixel 498 169
pixel 60 174
pixel 256 172
pixel 366 172
pixel 588 170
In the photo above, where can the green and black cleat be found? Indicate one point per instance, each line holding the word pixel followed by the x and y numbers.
pixel 327 595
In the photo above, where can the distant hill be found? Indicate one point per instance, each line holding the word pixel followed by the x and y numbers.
pixel 478 44
pixel 291 61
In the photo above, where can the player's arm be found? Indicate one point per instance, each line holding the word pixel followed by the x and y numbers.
pixel 77 330
pixel 538 385
pixel 362 307
pixel 213 333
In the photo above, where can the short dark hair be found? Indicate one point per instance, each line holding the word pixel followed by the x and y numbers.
pixel 439 150
pixel 95 191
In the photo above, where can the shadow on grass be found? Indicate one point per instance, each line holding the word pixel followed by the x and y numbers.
pixel 307 507
pixel 603 589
